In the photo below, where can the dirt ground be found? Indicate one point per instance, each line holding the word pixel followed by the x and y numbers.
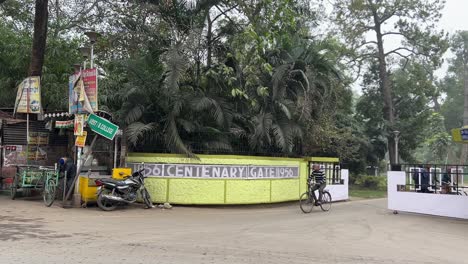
pixel 352 232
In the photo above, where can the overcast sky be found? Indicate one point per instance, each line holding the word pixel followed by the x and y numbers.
pixel 455 16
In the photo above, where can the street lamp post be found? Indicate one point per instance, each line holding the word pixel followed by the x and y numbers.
pixel 76 67
pixel 85 52
pixel 92 35
pixel 397 138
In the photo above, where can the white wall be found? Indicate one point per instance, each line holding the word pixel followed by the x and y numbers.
pixel 424 203
pixel 340 192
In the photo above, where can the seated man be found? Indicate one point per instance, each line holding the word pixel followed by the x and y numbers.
pixel 320 183
pixel 446 180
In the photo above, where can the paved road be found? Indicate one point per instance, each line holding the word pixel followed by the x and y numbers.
pixel 353 232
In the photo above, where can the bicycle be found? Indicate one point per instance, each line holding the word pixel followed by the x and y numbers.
pixel 307 202
pixel 30 178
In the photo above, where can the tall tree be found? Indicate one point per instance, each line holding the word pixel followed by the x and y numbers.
pixel 456 85
pixel 411 21
pixel 39 38
pixel 412 93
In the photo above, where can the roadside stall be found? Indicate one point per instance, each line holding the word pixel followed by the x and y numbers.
pixel 28 159
pixel 101 155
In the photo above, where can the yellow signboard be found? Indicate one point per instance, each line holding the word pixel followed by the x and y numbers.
pixel 460 135
pixel 28 98
pixel 81 140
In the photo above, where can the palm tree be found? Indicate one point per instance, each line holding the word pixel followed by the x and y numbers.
pixel 301 85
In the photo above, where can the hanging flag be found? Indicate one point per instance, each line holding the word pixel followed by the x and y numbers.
pixel 64 124
pixel 28 97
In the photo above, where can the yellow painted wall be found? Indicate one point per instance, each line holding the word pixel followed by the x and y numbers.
pixel 225 191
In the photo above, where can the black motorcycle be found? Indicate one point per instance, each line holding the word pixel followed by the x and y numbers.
pixel 111 192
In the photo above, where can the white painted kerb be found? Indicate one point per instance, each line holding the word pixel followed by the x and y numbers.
pixel 424 203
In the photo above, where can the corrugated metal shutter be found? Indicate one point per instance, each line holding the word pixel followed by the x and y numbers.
pixel 15 134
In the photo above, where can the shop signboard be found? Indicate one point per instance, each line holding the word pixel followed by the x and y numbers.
pixel 14 155
pixel 102 126
pixel 28 97
pixel 203 171
pixel 81 140
pixel 75 96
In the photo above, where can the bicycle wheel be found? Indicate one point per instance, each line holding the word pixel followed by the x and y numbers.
pixel 147 199
pixel 49 192
pixel 306 203
pixel 326 202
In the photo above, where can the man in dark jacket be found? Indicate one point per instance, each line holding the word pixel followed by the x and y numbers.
pixel 416 173
pixel 68 167
pixel 425 179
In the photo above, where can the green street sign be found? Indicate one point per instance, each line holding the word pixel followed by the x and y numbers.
pixel 102 126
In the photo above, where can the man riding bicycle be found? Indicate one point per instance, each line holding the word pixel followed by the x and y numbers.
pixel 320 183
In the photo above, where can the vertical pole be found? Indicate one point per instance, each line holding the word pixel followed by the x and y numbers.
pixel 116 145
pixel 75 180
pixel 27 138
pixel 64 187
pixel 92 56
pixel 397 156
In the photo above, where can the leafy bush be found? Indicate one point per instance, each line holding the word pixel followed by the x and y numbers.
pixel 370 182
pixel 354 178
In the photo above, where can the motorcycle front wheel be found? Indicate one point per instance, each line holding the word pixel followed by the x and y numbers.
pixel 146 198
pixel 103 203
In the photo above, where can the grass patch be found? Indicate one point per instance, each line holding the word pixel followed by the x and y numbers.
pixel 366 193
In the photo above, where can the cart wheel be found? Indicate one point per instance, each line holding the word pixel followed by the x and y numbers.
pixel 14 188
pixel 49 192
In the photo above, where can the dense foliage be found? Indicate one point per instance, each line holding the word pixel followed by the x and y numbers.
pixel 254 77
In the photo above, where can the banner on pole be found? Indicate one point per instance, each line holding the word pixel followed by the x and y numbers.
pixel 28 97
pixel 79 124
pixel 83 92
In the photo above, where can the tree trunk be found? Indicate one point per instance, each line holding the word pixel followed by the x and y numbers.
pixel 465 110
pixel 435 100
pixel 57 18
pixel 39 38
pixel 209 40
pixel 386 90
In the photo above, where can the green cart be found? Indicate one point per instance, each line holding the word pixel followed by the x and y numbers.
pixel 28 178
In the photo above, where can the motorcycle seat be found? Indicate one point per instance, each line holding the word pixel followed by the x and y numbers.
pixel 112 181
